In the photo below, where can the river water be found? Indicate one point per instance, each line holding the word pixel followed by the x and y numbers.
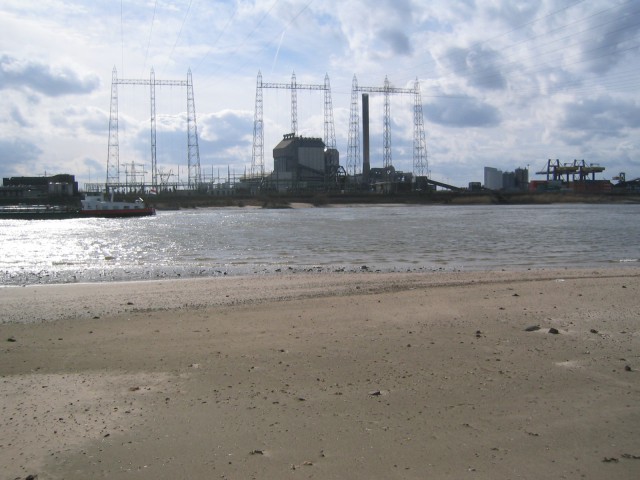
pixel 235 241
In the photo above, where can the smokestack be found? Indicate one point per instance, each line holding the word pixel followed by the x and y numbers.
pixel 366 165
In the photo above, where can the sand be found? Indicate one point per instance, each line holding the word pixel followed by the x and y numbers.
pixel 326 376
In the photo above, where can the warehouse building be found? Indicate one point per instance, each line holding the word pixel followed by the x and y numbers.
pixel 303 163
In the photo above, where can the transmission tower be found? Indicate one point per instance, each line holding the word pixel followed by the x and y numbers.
pixel 257 159
pixel 113 158
pixel 419 145
pixel 193 151
pixel 420 162
pixel 329 126
pixel 353 148
pixel 294 105
pixel 386 152
pixel 154 169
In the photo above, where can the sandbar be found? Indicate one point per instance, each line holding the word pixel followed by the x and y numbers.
pixel 483 375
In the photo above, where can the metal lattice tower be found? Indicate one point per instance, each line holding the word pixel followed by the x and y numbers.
pixel 257 159
pixel 113 156
pixel 294 105
pixel 193 151
pixel 420 161
pixel 386 151
pixel 419 143
pixel 154 169
pixel 329 126
pixel 353 148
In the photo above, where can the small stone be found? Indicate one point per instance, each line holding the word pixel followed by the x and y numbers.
pixel 11 339
pixel 257 452
pixel 593 330
pixel 554 331
pixel 532 328
pixel 375 393
pixel 610 460
pixel 627 368
pixel 630 456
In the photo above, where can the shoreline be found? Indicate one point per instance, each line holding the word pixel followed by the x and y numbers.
pixel 444 198
pixel 370 375
pixel 47 302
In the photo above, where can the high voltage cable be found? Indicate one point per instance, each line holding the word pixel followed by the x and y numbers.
pixel 224 29
pixel 628 79
pixel 566 45
pixel 519 27
pixel 270 42
pixel 534 69
pixel 146 55
pixel 546 33
pixel 478 75
pixel 278 35
pixel 250 34
pixel 507 68
pixel 179 34
pixel 502 71
pixel 121 40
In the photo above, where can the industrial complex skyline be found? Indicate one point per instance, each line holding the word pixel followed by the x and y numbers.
pixel 502 85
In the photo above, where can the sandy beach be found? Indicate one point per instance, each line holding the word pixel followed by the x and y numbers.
pixel 498 375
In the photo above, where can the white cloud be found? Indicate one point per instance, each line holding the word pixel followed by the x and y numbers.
pixel 504 83
pixel 18 74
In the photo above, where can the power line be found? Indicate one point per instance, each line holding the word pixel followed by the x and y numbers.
pixel 268 43
pixel 564 44
pixel 493 71
pixel 542 66
pixel 179 33
pixel 515 29
pixel 121 40
pixel 224 29
pixel 146 55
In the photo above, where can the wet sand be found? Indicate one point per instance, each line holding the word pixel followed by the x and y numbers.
pixel 325 376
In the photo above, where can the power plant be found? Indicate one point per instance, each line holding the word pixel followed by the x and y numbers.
pixel 300 164
pixel 313 164
pixel 114 180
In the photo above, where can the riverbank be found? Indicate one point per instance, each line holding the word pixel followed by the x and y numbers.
pixel 190 200
pixel 494 375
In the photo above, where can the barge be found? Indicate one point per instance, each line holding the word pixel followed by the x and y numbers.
pixel 93 205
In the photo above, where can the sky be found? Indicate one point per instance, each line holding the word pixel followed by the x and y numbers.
pixel 504 83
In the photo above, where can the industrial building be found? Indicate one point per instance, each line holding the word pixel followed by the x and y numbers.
pixel 304 163
pixel 515 181
pixel 575 176
pixel 38 189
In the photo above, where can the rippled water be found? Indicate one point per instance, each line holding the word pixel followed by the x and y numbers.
pixel 255 241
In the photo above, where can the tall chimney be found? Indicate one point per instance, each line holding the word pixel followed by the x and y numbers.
pixel 366 165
